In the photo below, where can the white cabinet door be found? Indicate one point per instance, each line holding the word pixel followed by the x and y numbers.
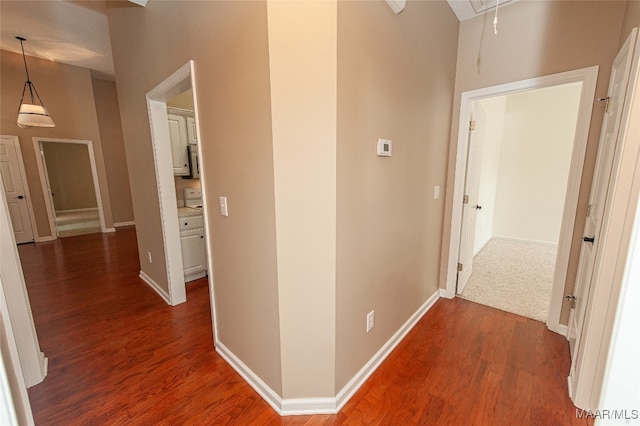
pixel 178 136
pixel 192 137
pixel 194 257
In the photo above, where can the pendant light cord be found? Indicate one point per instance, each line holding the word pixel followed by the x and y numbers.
pixel 26 70
pixel 24 58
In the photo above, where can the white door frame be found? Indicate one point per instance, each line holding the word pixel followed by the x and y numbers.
pixel 33 363
pixel 178 82
pixel 44 180
pixel 605 282
pixel 27 194
pixel 586 76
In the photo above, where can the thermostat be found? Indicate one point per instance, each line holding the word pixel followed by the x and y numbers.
pixel 384 147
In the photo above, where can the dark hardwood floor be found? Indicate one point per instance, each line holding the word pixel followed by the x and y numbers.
pixel 119 355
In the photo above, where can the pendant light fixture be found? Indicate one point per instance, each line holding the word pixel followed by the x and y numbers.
pixel 32 114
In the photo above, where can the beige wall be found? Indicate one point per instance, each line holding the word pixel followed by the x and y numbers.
pixel 395 81
pixel 70 176
pixel 228 43
pixel 538 136
pixel 285 329
pixel 110 126
pixel 631 19
pixel 537 38
pixel 68 95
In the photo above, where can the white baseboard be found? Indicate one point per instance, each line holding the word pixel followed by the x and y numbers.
pixel 44 365
pixel 107 230
pixel 121 224
pixel 308 406
pixel 525 240
pixel 154 285
pixel 44 239
pixel 563 330
pixel 358 380
pixel 268 394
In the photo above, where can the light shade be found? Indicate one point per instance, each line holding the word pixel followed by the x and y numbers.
pixel 34 116
pixel 396 5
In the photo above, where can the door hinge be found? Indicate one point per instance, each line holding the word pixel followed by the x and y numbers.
pixel 465 199
pixel 459 267
pixel 472 125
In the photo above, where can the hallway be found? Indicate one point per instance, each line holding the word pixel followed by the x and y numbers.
pixel 119 355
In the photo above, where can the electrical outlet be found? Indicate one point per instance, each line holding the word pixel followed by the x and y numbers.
pixel 371 318
pixel 150 258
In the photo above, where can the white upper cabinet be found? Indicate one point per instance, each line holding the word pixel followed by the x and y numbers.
pixel 192 136
pixel 182 131
pixel 178 136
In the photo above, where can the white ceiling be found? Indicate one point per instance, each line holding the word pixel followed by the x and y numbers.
pixel 467 9
pixel 72 32
pixel 77 32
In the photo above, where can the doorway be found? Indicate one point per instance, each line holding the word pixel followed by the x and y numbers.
pixel 178 83
pixel 587 77
pixel 69 179
pixel 517 172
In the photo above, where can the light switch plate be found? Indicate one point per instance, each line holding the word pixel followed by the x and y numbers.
pixel 384 147
pixel 224 211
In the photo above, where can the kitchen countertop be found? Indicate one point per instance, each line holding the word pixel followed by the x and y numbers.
pixel 189 212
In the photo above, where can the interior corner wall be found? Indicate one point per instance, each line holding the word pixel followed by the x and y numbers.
pixel 67 93
pixel 228 42
pixel 536 38
pixel 495 110
pixel 303 67
pixel 110 126
pixel 395 81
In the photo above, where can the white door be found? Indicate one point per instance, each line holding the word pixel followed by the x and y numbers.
pixel 15 188
pixel 605 173
pixel 471 206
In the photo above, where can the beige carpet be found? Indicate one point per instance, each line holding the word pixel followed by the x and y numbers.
pixel 513 276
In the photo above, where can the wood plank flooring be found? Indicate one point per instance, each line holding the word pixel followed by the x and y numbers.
pixel 119 355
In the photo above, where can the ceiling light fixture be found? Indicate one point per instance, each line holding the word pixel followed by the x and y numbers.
pixel 33 114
